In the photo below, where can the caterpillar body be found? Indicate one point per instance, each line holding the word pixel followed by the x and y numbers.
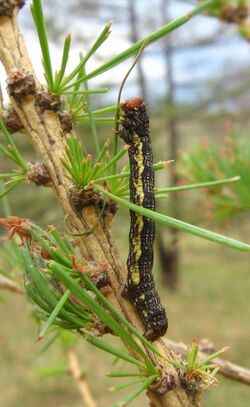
pixel 140 286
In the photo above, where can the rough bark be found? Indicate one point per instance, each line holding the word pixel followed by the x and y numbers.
pixel 10 285
pixel 78 376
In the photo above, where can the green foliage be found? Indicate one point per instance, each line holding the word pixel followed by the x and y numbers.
pixel 232 11
pixel 12 153
pixel 59 84
pixel 155 36
pixel 83 170
pixel 207 162
pixel 220 8
pixel 54 277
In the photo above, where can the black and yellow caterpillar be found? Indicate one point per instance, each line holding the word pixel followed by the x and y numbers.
pixel 140 286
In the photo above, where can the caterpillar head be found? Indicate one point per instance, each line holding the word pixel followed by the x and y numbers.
pixel 134 119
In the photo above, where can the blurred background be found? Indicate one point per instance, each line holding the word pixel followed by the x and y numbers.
pixel 196 86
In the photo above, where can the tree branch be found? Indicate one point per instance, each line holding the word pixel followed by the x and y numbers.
pixel 10 285
pixel 76 373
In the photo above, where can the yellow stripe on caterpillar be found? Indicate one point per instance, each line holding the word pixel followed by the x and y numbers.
pixel 135 275
pixel 138 183
pixel 135 271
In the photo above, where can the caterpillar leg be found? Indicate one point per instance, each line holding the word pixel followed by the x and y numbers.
pixel 125 292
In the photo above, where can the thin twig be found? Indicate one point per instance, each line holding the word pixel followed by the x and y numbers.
pixel 117 115
pixel 227 369
pixel 8 284
pixel 145 42
pixel 76 373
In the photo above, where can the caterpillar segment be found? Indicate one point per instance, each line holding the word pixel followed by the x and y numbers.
pixel 140 285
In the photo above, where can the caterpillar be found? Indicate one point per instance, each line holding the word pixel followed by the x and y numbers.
pixel 140 286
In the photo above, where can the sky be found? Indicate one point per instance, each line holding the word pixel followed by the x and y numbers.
pixel 190 65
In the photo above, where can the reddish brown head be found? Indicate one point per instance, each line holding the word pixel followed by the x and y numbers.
pixel 133 103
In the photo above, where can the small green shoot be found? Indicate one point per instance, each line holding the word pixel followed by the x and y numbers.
pixel 80 166
pixel 192 366
pixel 59 76
pixel 37 13
pixel 12 153
pixel 83 171
pixel 57 82
pixel 78 70
pixel 54 314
